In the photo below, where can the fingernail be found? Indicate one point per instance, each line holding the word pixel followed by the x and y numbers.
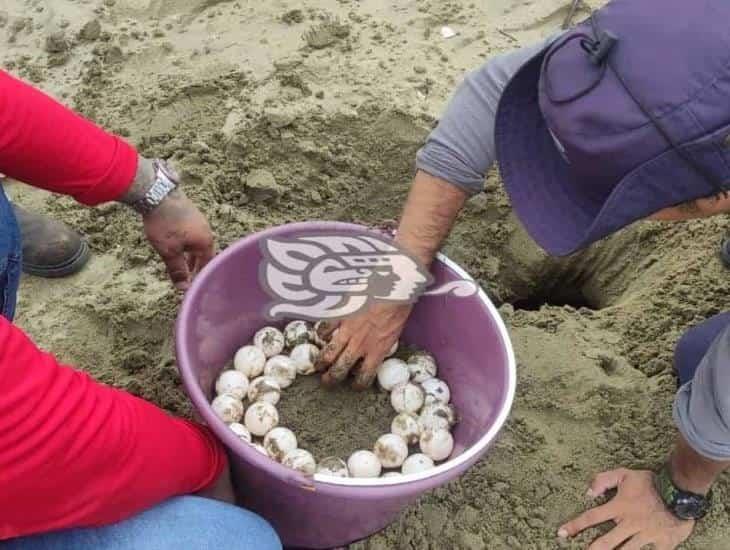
pixel 562 533
pixel 589 493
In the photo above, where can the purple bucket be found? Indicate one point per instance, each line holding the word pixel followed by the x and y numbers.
pixel 221 312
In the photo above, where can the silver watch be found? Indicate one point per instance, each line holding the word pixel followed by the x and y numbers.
pixel 166 180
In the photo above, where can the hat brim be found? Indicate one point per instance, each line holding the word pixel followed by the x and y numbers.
pixel 545 195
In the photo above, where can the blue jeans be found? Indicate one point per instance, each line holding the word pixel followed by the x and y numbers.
pixel 693 345
pixel 180 523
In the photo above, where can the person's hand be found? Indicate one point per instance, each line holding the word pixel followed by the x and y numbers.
pixel 367 336
pixel 180 234
pixel 640 516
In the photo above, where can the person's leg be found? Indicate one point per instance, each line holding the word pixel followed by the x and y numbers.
pixel 693 345
pixel 179 523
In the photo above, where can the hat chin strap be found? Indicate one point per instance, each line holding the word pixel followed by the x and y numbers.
pixel 599 50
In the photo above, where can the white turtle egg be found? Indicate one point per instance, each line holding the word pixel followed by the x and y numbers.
pixel 304 357
pixel 260 448
pixel 391 450
pixel 436 390
pixel 241 431
pixel 232 382
pixel 422 366
pixel 407 398
pixel 301 461
pixel 393 348
pixel 261 417
pixel 437 416
pixel 280 441
pixel 317 332
pixel 270 340
pixel 264 388
pixel 333 466
pixel 392 474
pixel 297 332
pixel 364 464
pixel 228 408
pixel 250 360
pixel 416 463
pixel 282 369
pixel 406 425
pixel 391 373
pixel 437 444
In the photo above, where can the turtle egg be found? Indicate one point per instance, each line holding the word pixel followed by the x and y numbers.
pixel 260 448
pixel 280 441
pixel 228 408
pixel 301 461
pixel 232 382
pixel 391 450
pixel 364 464
pixel 270 340
pixel 416 463
pixel 318 334
pixel 437 444
pixel 391 373
pixel 241 431
pixel 436 390
pixel 264 388
pixel 261 417
pixel 304 357
pixel 333 466
pixel 392 474
pixel 437 416
pixel 297 332
pixel 406 425
pixel 407 398
pixel 282 369
pixel 422 366
pixel 249 360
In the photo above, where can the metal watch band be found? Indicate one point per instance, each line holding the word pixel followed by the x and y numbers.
pixel 165 182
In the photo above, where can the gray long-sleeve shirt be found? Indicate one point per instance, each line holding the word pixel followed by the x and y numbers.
pixel 461 150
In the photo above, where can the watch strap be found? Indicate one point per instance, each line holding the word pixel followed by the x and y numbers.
pixel 164 183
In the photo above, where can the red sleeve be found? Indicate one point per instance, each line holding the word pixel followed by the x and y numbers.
pixel 46 145
pixel 76 453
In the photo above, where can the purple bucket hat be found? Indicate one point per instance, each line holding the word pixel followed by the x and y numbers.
pixel 624 115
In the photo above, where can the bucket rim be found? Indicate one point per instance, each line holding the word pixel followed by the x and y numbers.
pixel 220 429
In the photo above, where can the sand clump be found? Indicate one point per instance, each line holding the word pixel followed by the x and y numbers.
pixel 238 99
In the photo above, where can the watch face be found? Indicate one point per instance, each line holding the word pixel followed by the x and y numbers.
pixel 690 507
pixel 169 171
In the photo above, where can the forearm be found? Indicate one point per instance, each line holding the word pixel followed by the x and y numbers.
pixel 692 471
pixel 428 216
pixel 46 145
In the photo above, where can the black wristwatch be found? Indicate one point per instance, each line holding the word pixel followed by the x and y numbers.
pixel 683 504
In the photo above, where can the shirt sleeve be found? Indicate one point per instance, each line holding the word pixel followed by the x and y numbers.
pixel 702 406
pixel 76 453
pixel 461 149
pixel 45 144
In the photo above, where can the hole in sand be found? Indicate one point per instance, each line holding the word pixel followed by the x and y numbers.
pixel 558 297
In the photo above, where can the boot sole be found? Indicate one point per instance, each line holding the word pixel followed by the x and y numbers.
pixel 70 267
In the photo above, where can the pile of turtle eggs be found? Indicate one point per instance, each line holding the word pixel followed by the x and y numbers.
pixel 262 370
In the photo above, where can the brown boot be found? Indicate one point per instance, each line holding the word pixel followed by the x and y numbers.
pixel 50 248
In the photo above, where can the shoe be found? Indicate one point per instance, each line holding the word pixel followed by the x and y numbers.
pixel 51 249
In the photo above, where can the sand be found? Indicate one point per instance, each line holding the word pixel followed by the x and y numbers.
pixel 277 112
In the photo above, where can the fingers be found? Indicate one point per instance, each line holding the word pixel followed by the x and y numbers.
pixel 177 269
pixel 613 539
pixel 590 518
pixel 326 328
pixel 606 481
pixel 331 352
pixel 367 372
pixel 339 371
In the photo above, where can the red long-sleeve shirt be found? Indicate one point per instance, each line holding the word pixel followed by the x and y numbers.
pixel 74 452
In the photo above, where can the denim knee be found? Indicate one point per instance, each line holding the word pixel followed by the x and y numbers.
pixel 694 344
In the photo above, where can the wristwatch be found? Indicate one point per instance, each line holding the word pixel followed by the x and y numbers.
pixel 166 180
pixel 683 504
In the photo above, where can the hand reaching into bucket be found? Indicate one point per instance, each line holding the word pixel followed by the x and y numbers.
pixel 367 337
